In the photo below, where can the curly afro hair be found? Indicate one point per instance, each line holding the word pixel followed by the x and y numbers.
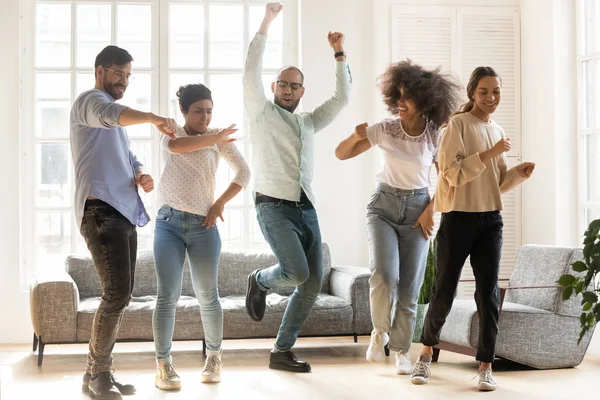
pixel 435 95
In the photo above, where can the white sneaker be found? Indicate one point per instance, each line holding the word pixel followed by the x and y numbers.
pixel 375 351
pixel 212 368
pixel 486 381
pixel 166 377
pixel 403 363
pixel 421 370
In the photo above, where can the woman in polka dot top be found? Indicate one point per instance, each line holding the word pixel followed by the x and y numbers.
pixel 186 222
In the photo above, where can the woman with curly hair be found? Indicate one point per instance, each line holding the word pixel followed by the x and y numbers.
pixel 400 212
pixel 473 175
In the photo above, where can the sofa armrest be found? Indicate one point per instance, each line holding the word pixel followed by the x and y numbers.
pixel 54 301
pixel 352 284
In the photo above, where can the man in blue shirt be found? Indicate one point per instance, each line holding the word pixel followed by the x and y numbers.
pixel 107 205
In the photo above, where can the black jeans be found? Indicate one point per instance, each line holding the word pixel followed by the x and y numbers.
pixel 112 241
pixel 462 234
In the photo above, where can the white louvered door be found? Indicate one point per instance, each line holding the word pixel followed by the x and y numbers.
pixel 458 39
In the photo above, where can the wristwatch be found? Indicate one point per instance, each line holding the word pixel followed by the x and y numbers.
pixel 339 54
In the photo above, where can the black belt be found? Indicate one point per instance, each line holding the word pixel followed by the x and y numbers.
pixel 263 198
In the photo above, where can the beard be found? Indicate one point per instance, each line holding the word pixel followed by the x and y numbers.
pixel 114 90
pixel 291 107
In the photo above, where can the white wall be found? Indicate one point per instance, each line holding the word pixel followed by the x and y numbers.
pixel 342 188
pixel 549 121
pixel 14 312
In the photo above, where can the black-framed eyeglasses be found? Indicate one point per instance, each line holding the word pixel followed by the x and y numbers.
pixel 121 74
pixel 285 84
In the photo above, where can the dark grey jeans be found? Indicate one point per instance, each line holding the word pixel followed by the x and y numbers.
pixel 112 241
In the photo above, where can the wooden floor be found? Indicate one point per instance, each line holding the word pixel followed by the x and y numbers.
pixel 339 372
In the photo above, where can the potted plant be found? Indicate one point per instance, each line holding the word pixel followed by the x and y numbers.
pixel 426 289
pixel 588 272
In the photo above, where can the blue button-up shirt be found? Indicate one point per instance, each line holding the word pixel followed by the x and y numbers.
pixel 105 167
pixel 283 142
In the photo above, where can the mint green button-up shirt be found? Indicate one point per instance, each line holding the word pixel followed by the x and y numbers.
pixel 283 142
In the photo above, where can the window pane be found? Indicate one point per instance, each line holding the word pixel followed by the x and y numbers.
pixel 53 239
pixel 143 151
pixel 93 32
pixel 53 103
pixel 186 36
pixel 228 101
pixel 591 214
pixel 85 82
pixel 134 33
pixel 257 235
pixel 591 81
pixel 226 36
pixel 53 183
pixel 268 79
pixel 139 96
pixel 592 146
pixel 175 81
pixel 231 229
pixel 53 35
pixel 273 57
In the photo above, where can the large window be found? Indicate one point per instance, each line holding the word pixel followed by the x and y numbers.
pixel 589 110
pixel 172 42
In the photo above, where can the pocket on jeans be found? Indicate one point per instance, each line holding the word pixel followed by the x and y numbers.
pixel 374 196
pixel 268 206
pixel 164 213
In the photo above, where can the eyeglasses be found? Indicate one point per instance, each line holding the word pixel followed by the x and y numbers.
pixel 285 84
pixel 121 74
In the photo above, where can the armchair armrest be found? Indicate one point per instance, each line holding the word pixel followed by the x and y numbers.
pixel 54 301
pixel 352 284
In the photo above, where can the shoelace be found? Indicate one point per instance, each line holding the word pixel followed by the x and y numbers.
pixel 170 369
pixel 485 376
pixel 212 363
pixel 420 369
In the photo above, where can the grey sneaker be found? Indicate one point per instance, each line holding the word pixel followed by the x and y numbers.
pixel 421 370
pixel 486 381
pixel 212 369
pixel 166 377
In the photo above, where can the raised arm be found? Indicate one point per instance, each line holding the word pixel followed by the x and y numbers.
pixel 324 114
pixel 355 144
pixel 254 92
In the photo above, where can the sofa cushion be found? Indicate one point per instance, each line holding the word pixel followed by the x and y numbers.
pixel 330 315
pixel 234 268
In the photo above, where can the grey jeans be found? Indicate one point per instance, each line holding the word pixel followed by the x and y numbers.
pixel 397 258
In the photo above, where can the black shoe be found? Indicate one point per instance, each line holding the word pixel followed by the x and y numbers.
pixel 287 361
pixel 256 298
pixel 124 388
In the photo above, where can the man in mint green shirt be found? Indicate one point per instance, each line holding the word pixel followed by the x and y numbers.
pixel 282 158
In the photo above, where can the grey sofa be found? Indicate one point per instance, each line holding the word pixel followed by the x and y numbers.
pixel 63 306
pixel 536 328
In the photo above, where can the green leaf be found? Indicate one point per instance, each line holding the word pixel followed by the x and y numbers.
pixel 582 333
pixel 587 306
pixel 582 319
pixel 579 266
pixel 590 297
pixel 566 280
pixel 567 293
pixel 590 319
pixel 579 287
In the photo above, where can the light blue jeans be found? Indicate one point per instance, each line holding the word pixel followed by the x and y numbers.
pixel 177 232
pixel 292 230
pixel 397 258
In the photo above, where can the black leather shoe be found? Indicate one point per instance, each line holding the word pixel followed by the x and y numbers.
pixel 125 388
pixel 287 361
pixel 101 386
pixel 256 298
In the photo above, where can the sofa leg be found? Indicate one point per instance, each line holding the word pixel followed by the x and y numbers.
pixel 41 351
pixel 355 338
pixel 204 348
pixel 436 354
pixel 35 341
